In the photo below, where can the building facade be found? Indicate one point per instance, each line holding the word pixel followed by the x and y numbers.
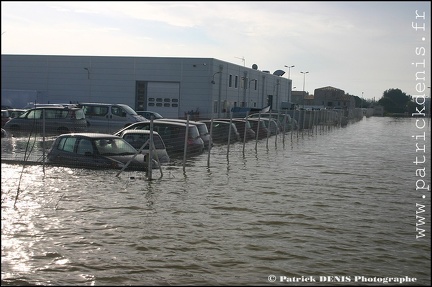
pixel 172 87
pixel 333 98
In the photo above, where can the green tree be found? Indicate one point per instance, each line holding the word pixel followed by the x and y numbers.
pixel 395 101
pixel 361 103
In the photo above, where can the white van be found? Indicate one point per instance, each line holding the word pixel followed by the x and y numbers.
pixel 109 118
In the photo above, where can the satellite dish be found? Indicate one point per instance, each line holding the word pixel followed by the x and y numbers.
pixel 255 66
pixel 278 73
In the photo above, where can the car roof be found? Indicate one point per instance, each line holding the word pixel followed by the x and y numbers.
pixel 138 132
pixel 150 112
pixel 101 104
pixel 255 119
pixel 90 135
pixel 215 120
pixel 234 120
pixel 55 108
pixel 162 121
pixel 180 121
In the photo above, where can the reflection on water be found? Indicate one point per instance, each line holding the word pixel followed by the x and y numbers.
pixel 335 203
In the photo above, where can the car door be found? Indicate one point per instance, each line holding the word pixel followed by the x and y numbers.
pixel 98 118
pixel 117 118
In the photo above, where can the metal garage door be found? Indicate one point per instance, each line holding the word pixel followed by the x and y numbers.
pixel 164 98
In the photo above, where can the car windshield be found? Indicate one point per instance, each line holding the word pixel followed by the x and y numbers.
pixel 202 128
pixel 128 110
pixel 149 114
pixel 193 132
pixel 114 147
pixel 137 140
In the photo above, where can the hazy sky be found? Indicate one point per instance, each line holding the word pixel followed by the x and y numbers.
pixel 358 47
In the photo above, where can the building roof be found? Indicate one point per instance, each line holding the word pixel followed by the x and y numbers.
pixel 329 88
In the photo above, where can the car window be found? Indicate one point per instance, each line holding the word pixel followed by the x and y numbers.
pixel 95 110
pixel 79 114
pixel 193 132
pixel 137 140
pixel 67 144
pixel 55 114
pixel 142 138
pixel 128 110
pixel 15 114
pixel 114 146
pixel 84 146
pixel 104 146
pixel 23 115
pixel 164 131
pixel 202 128
pixel 158 142
pixel 118 111
pixel 34 114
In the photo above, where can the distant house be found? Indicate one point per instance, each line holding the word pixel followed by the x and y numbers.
pixel 297 97
pixel 333 98
pixel 378 110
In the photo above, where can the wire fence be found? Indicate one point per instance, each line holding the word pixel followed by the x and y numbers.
pixel 184 139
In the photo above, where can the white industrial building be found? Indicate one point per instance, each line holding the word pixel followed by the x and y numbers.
pixel 169 86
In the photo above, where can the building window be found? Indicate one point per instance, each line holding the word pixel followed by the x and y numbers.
pixel 236 82
pixel 230 81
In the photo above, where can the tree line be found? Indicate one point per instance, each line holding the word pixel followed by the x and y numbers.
pixel 394 101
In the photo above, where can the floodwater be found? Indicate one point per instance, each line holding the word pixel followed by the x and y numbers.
pixel 336 206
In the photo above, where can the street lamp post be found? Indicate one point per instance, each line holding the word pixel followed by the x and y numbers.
pixel 289 70
pixel 304 80
pixel 250 90
pixel 213 81
pixel 88 73
pixel 219 93
pixel 89 83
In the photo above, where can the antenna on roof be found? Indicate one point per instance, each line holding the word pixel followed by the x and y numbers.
pixel 243 59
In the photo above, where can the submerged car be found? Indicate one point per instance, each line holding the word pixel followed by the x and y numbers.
pixel 107 118
pixel 50 119
pixel 173 135
pixel 259 127
pixel 97 151
pixel 221 131
pixel 140 139
pixel 244 128
pixel 202 129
